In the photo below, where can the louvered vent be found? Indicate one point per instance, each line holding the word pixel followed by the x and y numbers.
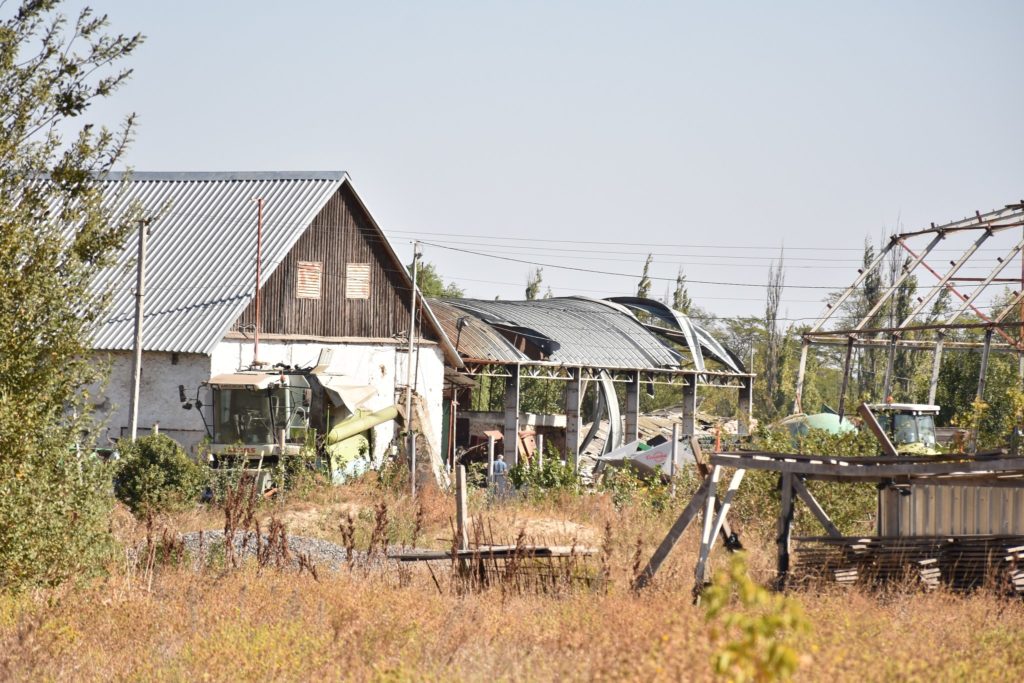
pixel 310 280
pixel 357 281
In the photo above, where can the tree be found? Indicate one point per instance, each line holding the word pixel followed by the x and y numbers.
pixel 56 234
pixel 681 300
pixel 643 288
pixel 533 282
pixel 774 353
pixel 431 283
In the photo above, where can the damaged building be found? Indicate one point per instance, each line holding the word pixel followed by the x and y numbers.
pixel 611 350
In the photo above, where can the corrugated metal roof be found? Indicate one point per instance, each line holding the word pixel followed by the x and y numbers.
pixel 201 253
pixel 577 331
pixel 476 339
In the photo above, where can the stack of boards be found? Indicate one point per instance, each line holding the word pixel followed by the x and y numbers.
pixel 961 563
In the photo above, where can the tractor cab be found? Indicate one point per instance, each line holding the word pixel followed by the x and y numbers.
pixel 910 426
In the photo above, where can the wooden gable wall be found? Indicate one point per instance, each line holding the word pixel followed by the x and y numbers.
pixel 341 234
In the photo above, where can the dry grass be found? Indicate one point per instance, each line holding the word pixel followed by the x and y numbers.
pixel 223 624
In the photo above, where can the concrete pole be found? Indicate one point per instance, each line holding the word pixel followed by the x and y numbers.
pixel 410 435
pixel 140 292
pixel 933 386
pixel 632 407
pixel 800 373
pixel 540 451
pixel 690 405
pixel 511 426
pixel 573 426
pixel 490 460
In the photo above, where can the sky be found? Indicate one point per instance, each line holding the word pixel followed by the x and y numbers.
pixel 717 136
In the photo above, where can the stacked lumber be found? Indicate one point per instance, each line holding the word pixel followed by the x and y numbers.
pixel 961 563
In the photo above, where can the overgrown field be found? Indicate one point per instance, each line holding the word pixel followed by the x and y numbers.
pixel 176 619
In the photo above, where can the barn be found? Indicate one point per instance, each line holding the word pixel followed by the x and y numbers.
pixel 328 279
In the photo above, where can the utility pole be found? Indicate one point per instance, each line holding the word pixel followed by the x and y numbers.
pixel 408 368
pixel 140 286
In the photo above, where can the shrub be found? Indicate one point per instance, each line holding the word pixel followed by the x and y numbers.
pixel 755 624
pixel 553 475
pixel 155 475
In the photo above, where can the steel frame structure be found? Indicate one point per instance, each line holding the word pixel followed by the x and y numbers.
pixel 864 335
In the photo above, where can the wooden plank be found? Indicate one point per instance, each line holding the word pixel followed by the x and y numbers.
pixel 723 508
pixel 785 529
pixel 865 470
pixel 812 503
pixel 729 537
pixel 707 536
pixel 673 536
pixel 461 508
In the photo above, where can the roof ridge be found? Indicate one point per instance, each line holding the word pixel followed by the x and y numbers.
pixel 223 176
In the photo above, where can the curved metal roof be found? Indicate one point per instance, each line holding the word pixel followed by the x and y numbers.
pixel 570 330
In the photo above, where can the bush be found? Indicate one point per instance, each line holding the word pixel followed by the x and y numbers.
pixel 155 475
pixel 54 515
pixel 553 475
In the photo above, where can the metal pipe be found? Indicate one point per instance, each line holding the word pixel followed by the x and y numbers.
pixel 899 281
pixel 830 309
pixel 140 287
pixel 259 273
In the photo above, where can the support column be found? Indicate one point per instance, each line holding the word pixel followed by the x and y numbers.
pixel 573 397
pixel 632 408
pixel 785 528
pixel 846 378
pixel 800 373
pixel 933 386
pixel 984 364
pixel 746 404
pixel 690 405
pixel 511 428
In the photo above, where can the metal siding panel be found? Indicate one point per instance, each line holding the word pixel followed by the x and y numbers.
pixel 201 260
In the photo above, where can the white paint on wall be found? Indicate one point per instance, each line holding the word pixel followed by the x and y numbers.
pixel 158 396
pixel 379 365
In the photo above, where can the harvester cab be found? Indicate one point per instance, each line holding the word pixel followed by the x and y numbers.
pixel 909 426
pixel 261 415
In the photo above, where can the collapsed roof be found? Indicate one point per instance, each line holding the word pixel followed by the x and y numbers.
pixel 578 331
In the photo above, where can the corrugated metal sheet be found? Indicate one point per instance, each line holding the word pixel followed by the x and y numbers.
pixel 938 510
pixel 201 255
pixel 476 339
pixel 578 331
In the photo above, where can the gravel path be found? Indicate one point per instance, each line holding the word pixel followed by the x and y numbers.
pixel 324 554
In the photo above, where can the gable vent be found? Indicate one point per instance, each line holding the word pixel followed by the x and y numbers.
pixel 310 280
pixel 357 281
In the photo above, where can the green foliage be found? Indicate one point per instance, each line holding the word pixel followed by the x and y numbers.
pixel 681 300
pixel 155 475
pixel 56 234
pixel 552 476
pixel 431 283
pixel 533 282
pixel 643 288
pixel 753 627
pixel 628 489
pixel 851 507
pixel 54 516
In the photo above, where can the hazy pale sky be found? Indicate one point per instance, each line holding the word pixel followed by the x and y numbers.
pixel 710 134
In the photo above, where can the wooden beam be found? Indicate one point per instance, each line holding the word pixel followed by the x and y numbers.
pixel 707 536
pixel 673 536
pixel 784 538
pixel 815 507
pixel 883 439
pixel 729 537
